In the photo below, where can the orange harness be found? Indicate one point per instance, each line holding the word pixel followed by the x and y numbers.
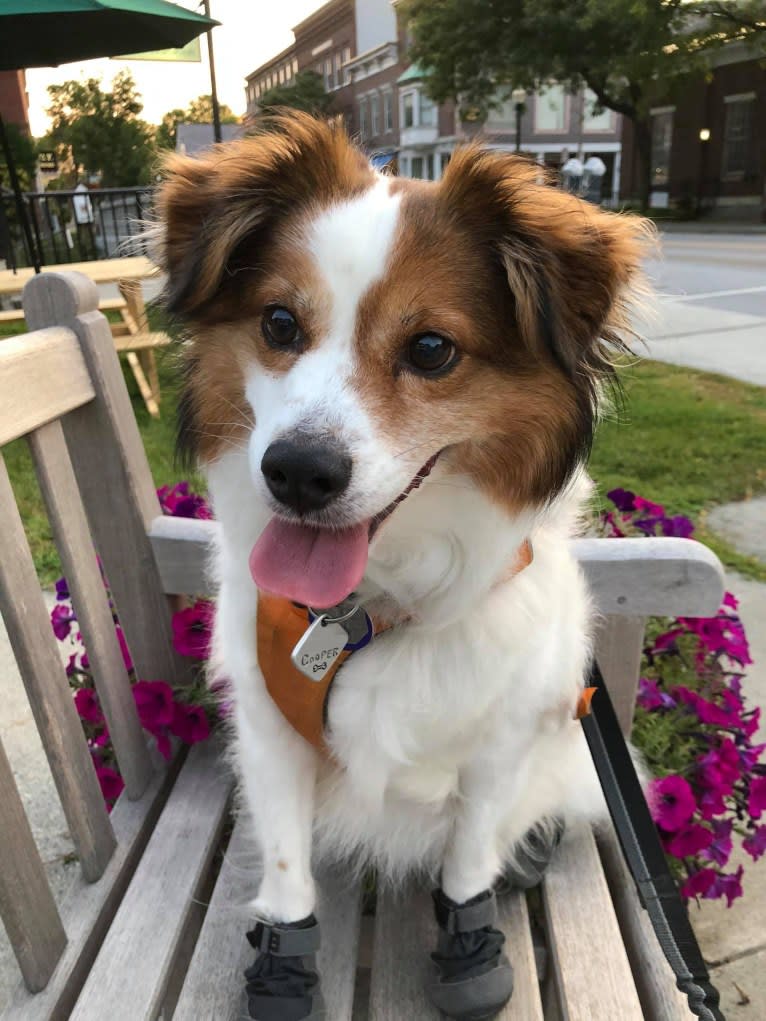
pixel 302 701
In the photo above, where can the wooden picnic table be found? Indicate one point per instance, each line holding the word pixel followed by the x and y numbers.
pixel 131 334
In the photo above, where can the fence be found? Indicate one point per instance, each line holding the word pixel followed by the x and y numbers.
pixel 74 226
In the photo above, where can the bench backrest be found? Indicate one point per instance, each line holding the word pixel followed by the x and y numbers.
pixel 61 387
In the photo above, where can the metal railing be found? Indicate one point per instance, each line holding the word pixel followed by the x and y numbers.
pixel 74 226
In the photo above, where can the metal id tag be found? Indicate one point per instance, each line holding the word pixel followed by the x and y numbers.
pixel 318 648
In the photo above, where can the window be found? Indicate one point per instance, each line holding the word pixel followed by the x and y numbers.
pixel 551 109
pixel 328 74
pixel 388 113
pixel 338 77
pixel 428 111
pixel 408 110
pixel 592 121
pixel 662 142
pixel 346 58
pixel 416 166
pixel 430 166
pixel 375 115
pixel 363 126
pixel 295 65
pixel 281 76
pixel 737 135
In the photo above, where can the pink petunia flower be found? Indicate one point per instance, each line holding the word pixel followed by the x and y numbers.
pixel 190 723
pixel 726 885
pixel 671 802
pixel 112 784
pixel 720 848
pixel 62 618
pixel 192 630
pixel 756 801
pixel 755 842
pixel 689 840
pixel 164 746
pixel 154 701
pixel 88 706
pixel 126 658
pixel 698 883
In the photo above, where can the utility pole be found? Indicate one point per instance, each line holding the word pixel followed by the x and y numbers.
pixel 213 91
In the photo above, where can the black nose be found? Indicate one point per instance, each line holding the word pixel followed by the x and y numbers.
pixel 306 476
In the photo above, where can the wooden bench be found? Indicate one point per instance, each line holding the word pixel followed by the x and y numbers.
pixel 154 924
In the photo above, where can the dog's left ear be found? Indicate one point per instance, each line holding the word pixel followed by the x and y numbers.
pixel 572 268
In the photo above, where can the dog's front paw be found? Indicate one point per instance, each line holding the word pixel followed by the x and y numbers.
pixel 474 978
pixel 283 983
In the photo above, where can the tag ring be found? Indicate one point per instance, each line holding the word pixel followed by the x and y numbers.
pixel 325 619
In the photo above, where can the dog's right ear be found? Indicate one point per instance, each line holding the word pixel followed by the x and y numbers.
pixel 234 195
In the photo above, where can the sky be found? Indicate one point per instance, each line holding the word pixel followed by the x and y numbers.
pixel 251 31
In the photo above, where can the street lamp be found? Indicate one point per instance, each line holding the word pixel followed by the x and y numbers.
pixel 704 134
pixel 518 98
pixel 701 183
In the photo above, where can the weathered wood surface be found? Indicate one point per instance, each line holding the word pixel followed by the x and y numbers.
pixel 44 376
pixel 513 920
pixel 183 549
pixel 660 997
pixel 339 905
pixel 47 686
pixel 593 976
pixel 100 271
pixel 113 474
pixel 130 974
pixel 619 647
pixel 88 908
pixel 27 907
pixel 94 616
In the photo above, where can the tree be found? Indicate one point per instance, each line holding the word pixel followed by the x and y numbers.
pixel 24 155
pixel 305 92
pixel 629 54
pixel 199 111
pixel 103 130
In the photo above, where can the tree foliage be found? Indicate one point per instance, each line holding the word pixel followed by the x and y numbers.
pixel 305 92
pixel 24 155
pixel 628 53
pixel 199 111
pixel 102 130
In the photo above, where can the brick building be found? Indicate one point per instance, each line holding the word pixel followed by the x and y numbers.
pixel 14 104
pixel 708 142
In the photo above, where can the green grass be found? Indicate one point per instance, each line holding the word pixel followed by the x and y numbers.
pixel 685 439
pixel 689 440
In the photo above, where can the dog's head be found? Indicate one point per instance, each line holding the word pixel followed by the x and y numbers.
pixel 350 328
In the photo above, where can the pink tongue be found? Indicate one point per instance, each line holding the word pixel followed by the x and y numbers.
pixel 308 565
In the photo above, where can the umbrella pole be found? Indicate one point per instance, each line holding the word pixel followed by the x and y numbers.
pixel 213 90
pixel 20 207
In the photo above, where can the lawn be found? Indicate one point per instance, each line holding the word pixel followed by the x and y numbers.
pixel 686 439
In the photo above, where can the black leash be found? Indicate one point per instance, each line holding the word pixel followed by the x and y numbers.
pixel 643 853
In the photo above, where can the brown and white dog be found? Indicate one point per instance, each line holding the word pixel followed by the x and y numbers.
pixel 350 334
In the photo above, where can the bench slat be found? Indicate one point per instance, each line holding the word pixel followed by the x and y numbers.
pixel 339 907
pixel 619 647
pixel 88 908
pixel 660 998
pixel 47 687
pixel 513 920
pixel 130 974
pixel 94 616
pixel 44 376
pixel 593 977
pixel 27 906
pixel 141 341
pixel 405 934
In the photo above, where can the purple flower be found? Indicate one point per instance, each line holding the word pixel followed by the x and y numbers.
pixel 723 764
pixel 756 801
pixel 154 701
pixel 656 510
pixel 112 784
pixel 88 707
pixel 698 883
pixel 71 664
pixel 62 617
pixel 671 802
pixel 650 696
pixel 750 756
pixel 192 630
pixel 62 589
pixel 711 803
pixel 623 499
pixel 124 649
pixel 689 840
pixel 679 526
pixel 755 843
pixel 731 601
pixel 719 850
pixel 178 501
pixel 190 723
pixel 726 885
pixel 667 640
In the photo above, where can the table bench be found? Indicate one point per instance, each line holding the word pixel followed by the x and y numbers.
pixel 154 924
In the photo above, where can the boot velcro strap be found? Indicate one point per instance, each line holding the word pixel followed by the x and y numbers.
pixel 284 940
pixel 477 914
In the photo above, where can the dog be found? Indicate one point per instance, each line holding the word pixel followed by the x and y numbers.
pixel 392 386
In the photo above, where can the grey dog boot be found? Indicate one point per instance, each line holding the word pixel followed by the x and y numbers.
pixel 474 979
pixel 532 859
pixel 283 983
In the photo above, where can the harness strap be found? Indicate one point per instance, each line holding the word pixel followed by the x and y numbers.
pixel 643 853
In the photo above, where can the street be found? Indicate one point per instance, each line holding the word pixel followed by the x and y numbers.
pixel 709 310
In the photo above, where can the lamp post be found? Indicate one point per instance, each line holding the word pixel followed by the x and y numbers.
pixel 704 139
pixel 518 98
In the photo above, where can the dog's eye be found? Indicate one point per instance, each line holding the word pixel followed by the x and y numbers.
pixel 430 355
pixel 280 328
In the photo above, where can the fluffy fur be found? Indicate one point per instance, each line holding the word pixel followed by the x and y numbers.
pixel 452 735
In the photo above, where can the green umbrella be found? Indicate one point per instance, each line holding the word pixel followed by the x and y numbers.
pixel 45 33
